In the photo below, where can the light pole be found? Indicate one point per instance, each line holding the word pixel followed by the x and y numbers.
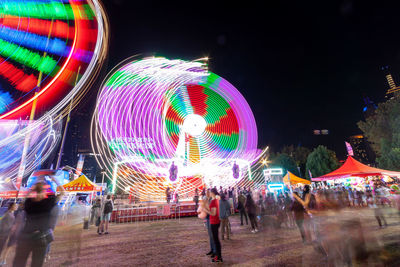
pixel 102 182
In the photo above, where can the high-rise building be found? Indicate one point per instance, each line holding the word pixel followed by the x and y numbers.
pixel 393 90
pixel 78 142
pixel 362 150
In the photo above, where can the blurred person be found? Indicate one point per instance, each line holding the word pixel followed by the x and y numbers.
pixel 298 214
pixel 15 230
pixel 96 205
pixel 378 212
pixel 6 225
pixel 251 210
pixel 232 198
pixel 396 199
pixel 288 204
pixel 168 194
pixel 215 223
pixel 53 223
pixel 351 197
pixel 224 213
pixel 37 232
pixel 242 208
pixel 76 214
pixel 260 204
pixel 107 209
pixel 96 214
pixel 196 198
pixel 359 196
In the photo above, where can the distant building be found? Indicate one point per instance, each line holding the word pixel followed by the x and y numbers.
pixel 393 90
pixel 78 142
pixel 362 150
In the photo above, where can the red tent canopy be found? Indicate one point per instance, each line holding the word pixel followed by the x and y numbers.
pixel 353 167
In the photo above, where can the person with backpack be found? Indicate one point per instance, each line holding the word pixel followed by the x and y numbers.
pixel 106 215
pixel 37 231
pixel 224 213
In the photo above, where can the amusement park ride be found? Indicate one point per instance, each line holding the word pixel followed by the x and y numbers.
pixel 171 123
pixel 158 122
pixel 50 54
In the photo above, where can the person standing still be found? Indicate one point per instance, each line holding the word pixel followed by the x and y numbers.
pixel 207 199
pixel 224 213
pixel 196 198
pixel 242 208
pixel 252 213
pixel 215 223
pixel 106 215
pixel 168 194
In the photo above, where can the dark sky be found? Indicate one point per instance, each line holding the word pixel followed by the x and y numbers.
pixel 301 65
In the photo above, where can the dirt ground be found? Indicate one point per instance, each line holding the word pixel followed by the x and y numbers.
pixel 184 242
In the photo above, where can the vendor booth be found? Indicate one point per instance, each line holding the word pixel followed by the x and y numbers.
pixel 354 168
pixel 293 179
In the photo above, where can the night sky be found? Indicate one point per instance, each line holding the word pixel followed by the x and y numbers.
pixel 301 65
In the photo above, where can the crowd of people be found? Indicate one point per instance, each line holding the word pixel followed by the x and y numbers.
pixel 29 225
pixel 315 211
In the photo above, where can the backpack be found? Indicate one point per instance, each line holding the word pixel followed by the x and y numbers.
pixel 108 207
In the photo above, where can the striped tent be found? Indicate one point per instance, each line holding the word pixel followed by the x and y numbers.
pixel 294 179
pixel 81 184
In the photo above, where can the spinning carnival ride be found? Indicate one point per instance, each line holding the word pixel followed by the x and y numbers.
pixel 50 53
pixel 164 123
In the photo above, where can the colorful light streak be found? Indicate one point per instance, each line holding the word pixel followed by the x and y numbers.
pixel 45 10
pixel 152 101
pixel 82 45
pixel 53 45
pixel 65 42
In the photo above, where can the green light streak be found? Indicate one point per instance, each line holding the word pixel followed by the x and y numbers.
pixel 53 10
pixel 216 106
pixel 26 57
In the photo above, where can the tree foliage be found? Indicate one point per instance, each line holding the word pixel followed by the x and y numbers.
pixel 299 155
pixel 321 161
pixel 382 130
pixel 285 162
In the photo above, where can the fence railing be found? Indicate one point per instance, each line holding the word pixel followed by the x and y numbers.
pixel 153 212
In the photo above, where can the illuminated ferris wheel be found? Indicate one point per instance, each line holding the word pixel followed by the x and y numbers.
pixel 50 53
pixel 161 122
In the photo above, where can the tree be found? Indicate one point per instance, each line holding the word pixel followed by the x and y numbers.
pixel 321 161
pixel 299 155
pixel 382 130
pixel 285 162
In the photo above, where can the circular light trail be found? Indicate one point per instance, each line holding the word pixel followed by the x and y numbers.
pixel 153 112
pixel 51 51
